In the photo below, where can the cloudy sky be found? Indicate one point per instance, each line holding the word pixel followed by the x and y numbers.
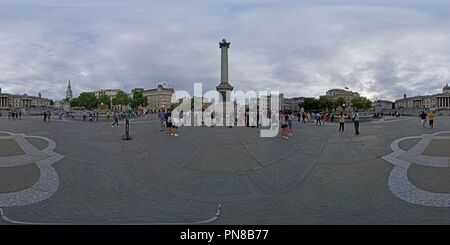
pixel 381 49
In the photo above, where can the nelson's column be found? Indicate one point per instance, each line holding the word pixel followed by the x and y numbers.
pixel 224 87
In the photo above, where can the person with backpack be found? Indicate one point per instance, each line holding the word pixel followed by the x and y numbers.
pixel 423 118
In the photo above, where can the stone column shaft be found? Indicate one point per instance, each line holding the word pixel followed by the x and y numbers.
pixel 224 65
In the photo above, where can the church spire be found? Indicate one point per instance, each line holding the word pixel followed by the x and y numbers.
pixel 69 92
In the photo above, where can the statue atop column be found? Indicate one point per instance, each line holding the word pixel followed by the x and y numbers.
pixel 224 85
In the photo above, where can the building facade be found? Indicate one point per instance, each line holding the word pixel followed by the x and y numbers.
pixel 111 93
pixel 159 97
pixel 293 104
pixel 335 94
pixel 383 106
pixel 427 102
pixel 16 101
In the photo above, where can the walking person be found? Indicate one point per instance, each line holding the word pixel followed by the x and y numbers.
pixel 356 122
pixel 20 114
pixel 318 122
pixel 49 115
pixel 116 119
pixel 431 119
pixel 423 118
pixel 341 122
pixel 45 116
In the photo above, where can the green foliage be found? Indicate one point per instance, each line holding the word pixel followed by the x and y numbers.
pixel 361 103
pixel 74 102
pixel 87 100
pixel 138 98
pixel 340 102
pixel 104 99
pixel 325 103
pixel 310 104
pixel 121 98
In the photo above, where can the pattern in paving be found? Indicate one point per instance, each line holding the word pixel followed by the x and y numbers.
pixel 228 175
pixel 398 180
pixel 48 181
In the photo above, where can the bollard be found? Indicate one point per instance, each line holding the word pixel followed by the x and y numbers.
pixel 127 131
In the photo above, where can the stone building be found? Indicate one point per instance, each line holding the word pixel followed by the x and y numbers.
pixel 159 97
pixel 111 93
pixel 428 102
pixel 335 94
pixel 16 101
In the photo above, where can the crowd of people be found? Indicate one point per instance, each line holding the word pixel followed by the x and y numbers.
pixel 167 122
pixel 287 118
pixel 15 114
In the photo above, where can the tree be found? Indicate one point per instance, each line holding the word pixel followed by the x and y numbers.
pixel 74 102
pixel 87 100
pixel 361 103
pixel 310 104
pixel 367 104
pixel 121 98
pixel 325 103
pixel 104 99
pixel 339 102
pixel 138 98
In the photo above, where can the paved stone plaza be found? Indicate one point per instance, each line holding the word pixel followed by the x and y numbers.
pixel 395 172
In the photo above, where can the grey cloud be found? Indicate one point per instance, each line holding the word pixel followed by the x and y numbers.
pixel 380 48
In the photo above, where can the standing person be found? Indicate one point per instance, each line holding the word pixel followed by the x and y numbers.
pixel 45 116
pixel 13 114
pixel 423 118
pixel 116 119
pixel 162 118
pixel 290 120
pixel 168 118
pixel 356 122
pixel 284 125
pixel 431 119
pixel 341 122
pixel 20 114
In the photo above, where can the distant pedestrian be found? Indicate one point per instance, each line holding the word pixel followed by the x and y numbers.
pixel 318 121
pixel 356 122
pixel 20 115
pixel 290 120
pixel 162 119
pixel 116 119
pixel 431 119
pixel 45 116
pixel 284 126
pixel 341 122
pixel 423 118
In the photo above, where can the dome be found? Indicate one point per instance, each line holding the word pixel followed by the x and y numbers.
pixel 446 89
